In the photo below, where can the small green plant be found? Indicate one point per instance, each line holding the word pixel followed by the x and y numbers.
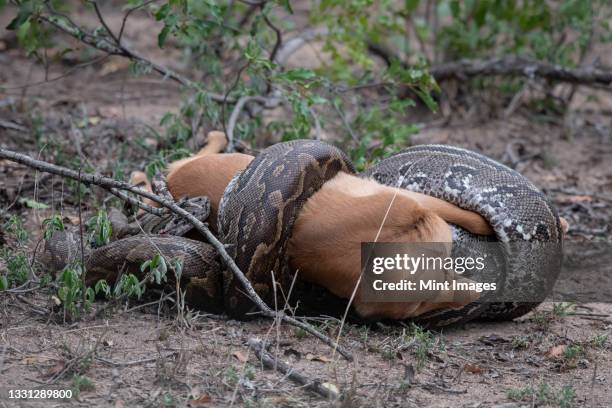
pixel 566 397
pixel 572 352
pixel 168 400
pixel 14 227
pixel 542 395
pixel 157 269
pixel 424 343
pixel 102 287
pixel 99 229
pixel 542 320
pixel 599 340
pixel 14 257
pixel 51 226
pixel 520 342
pixel 519 394
pixel 74 296
pixel 128 286
pixel 81 383
pixel 17 268
pixel 388 353
pixel 300 333
pixel 231 376
pixel 562 309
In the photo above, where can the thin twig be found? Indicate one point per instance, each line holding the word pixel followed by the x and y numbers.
pixel 137 203
pixel 272 362
pixel 279 36
pixel 134 362
pixel 240 104
pixel 64 24
pixel 108 183
pixel 103 22
pixel 127 15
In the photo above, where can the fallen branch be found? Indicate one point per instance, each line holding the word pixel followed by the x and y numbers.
pixel 270 361
pixel 520 66
pixel 509 65
pixel 109 183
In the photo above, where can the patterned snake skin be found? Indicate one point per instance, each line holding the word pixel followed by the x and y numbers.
pixel 526 224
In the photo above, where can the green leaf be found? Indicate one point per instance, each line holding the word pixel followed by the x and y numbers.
pixel 287 5
pixel 3 283
pixel 22 16
pixel 163 34
pixel 33 204
pixel 297 74
pixel 163 12
pixel 411 5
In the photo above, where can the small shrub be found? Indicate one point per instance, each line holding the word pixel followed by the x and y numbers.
pixel 74 296
pixel 99 229
pixel 51 226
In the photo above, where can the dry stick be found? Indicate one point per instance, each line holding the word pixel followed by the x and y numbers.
pixel 109 183
pixel 268 103
pixel 510 65
pixel 270 361
pixel 137 203
pixel 520 66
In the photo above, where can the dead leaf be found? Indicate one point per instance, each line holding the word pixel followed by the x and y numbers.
pixel 119 404
pixel 72 219
pixel 573 199
pixel 241 356
pixel 56 369
pixel 113 65
pixel 202 401
pixel 473 368
pixel 36 359
pixel 322 359
pixel 556 351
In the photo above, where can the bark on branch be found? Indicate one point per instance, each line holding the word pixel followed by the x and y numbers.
pixel 520 66
pixel 509 65
pixel 112 184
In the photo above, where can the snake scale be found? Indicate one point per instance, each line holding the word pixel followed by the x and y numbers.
pixel 260 205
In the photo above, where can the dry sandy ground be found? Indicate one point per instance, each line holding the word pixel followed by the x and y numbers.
pixel 144 358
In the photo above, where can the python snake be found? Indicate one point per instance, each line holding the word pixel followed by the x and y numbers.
pixel 261 204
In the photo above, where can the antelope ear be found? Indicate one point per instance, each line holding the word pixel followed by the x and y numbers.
pixel 565 226
pixel 139 179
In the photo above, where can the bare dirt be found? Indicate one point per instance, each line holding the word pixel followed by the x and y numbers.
pixel 144 357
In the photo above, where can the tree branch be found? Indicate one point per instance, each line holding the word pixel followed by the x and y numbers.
pixel 520 66
pixel 510 65
pixel 109 184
